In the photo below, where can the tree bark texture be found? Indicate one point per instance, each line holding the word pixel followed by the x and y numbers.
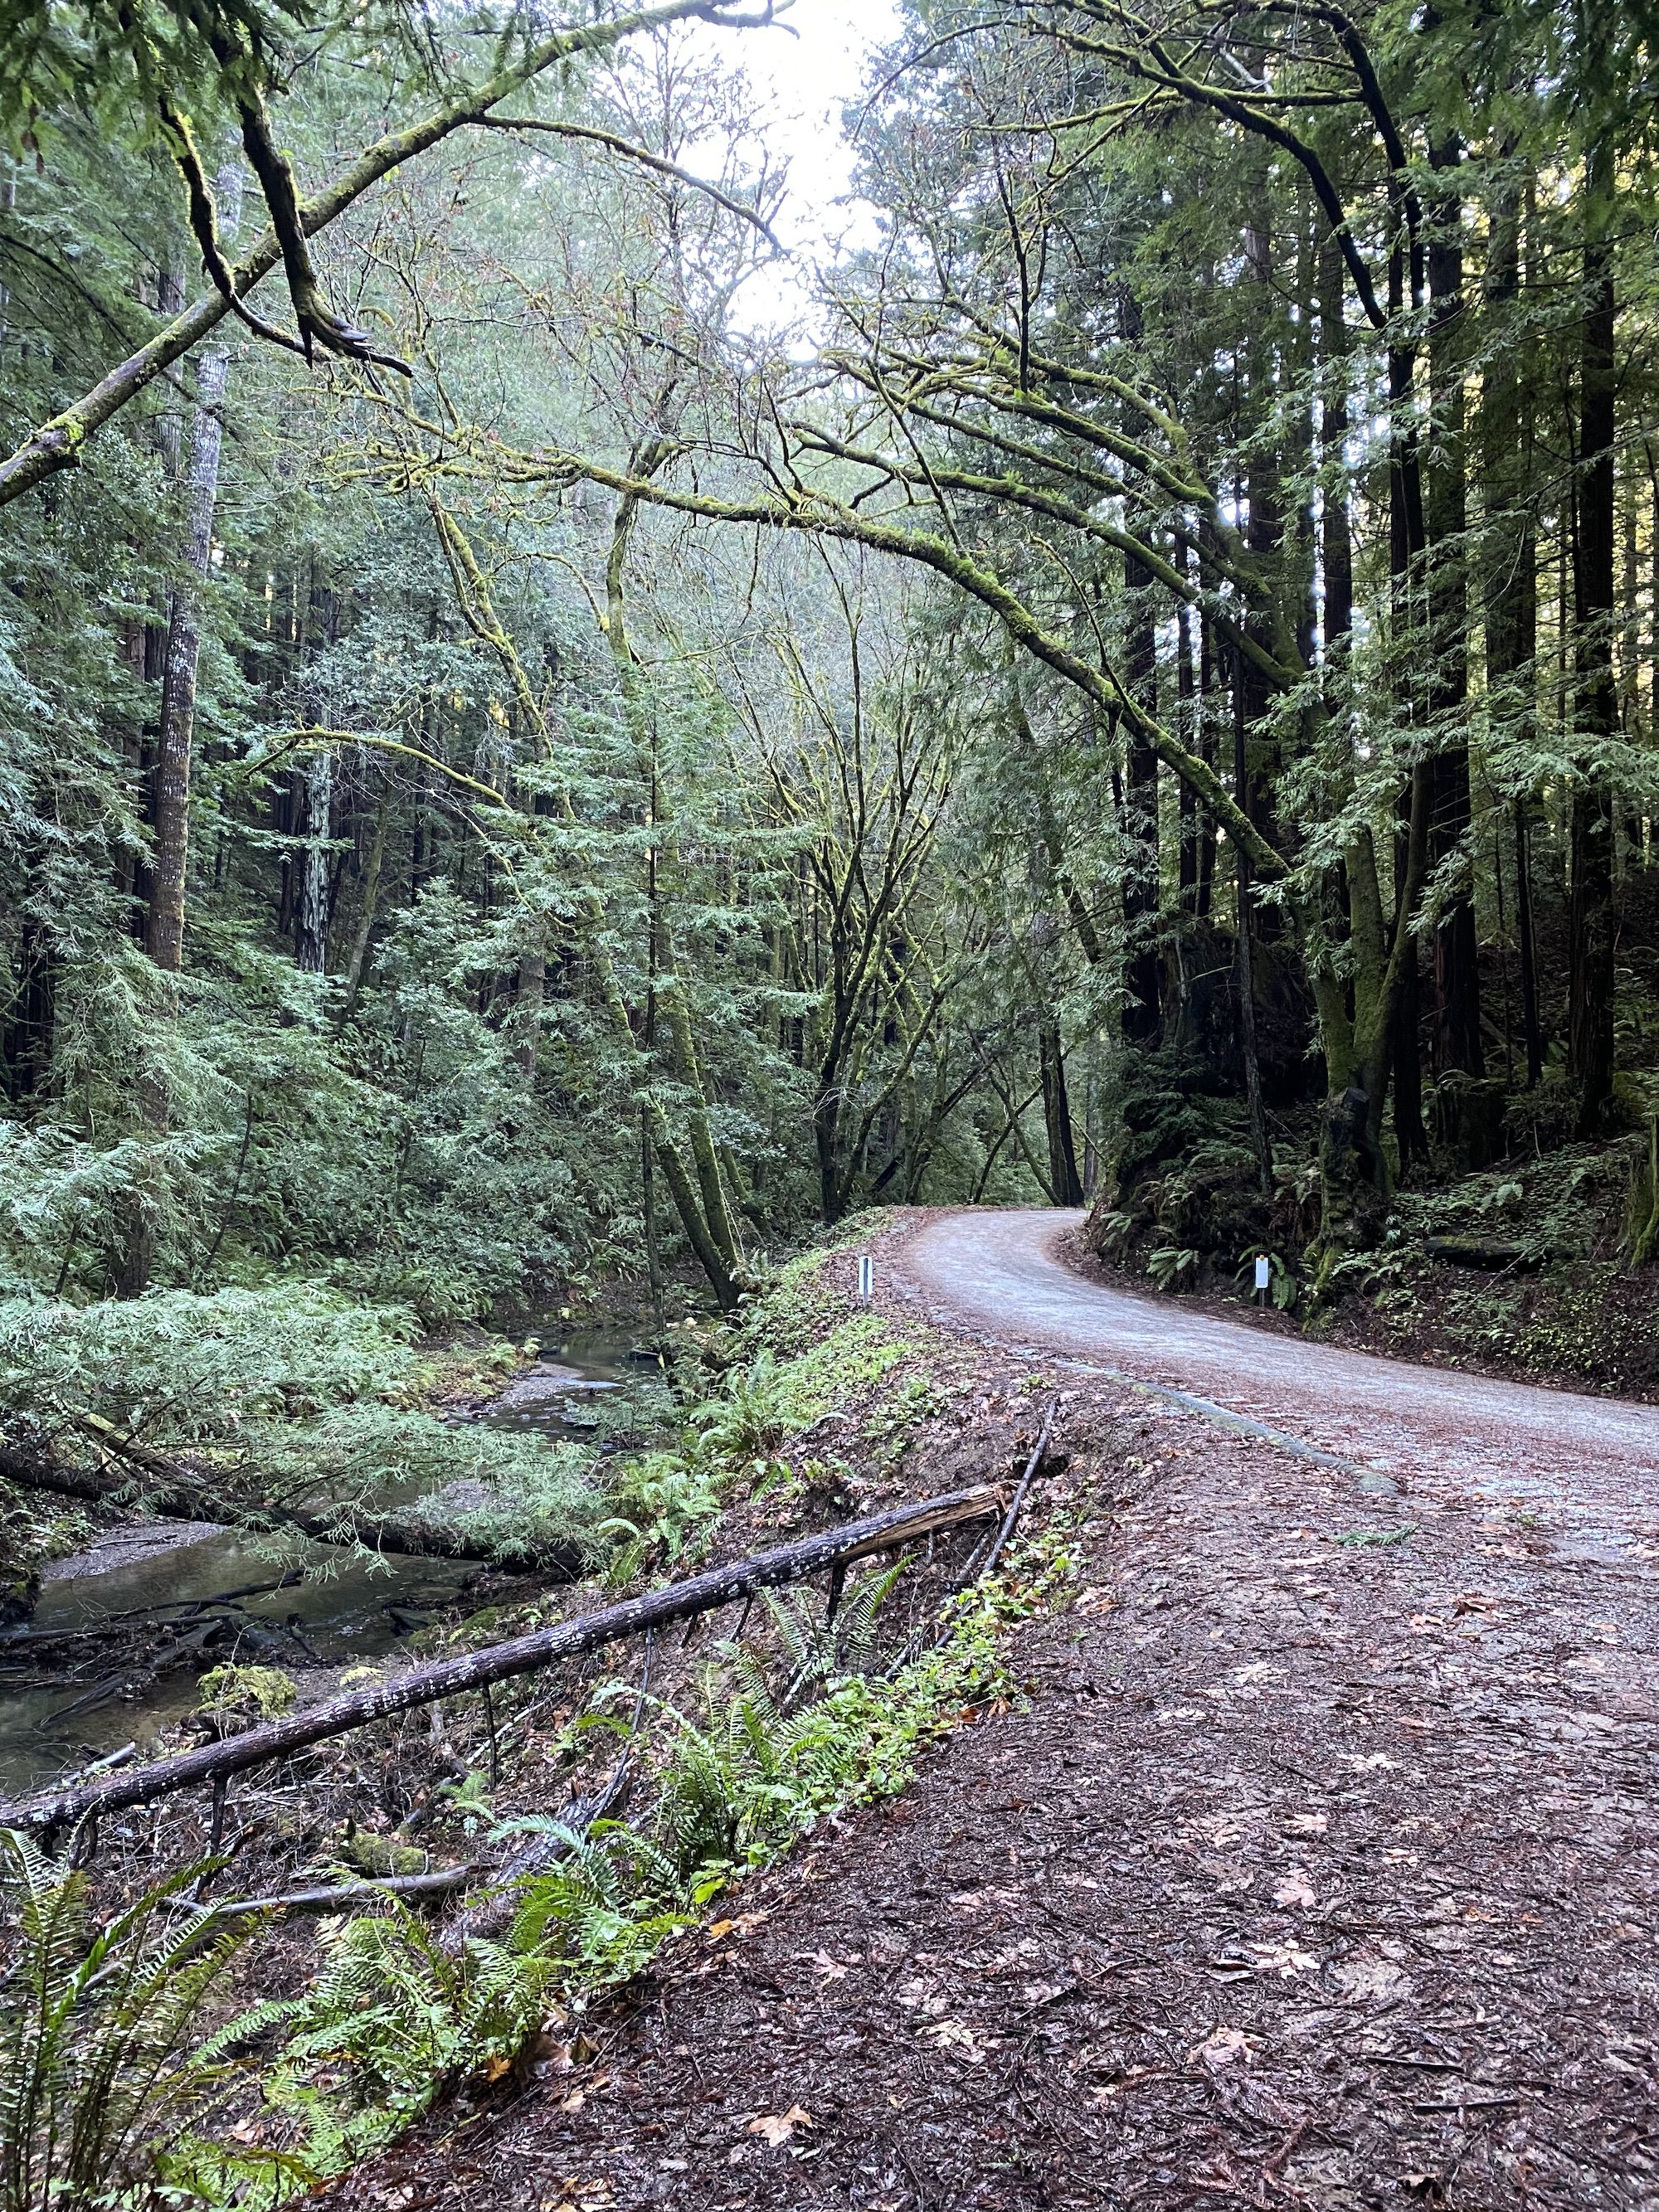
pixel 1064 1179
pixel 1592 921
pixel 1509 587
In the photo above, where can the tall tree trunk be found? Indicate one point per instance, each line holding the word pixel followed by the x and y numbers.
pixel 1189 709
pixel 1592 925
pixel 1510 561
pixel 1063 1178
pixel 164 934
pixel 311 907
pixel 1405 554
pixel 1336 537
pixel 1141 1007
pixel 1526 948
pixel 1208 691
pixel 371 899
pixel 1246 967
pixel 1458 1044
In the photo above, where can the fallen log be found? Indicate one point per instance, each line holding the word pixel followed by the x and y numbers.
pixel 486 1916
pixel 1491 1255
pixel 175 1494
pixel 343 1895
pixel 1039 1453
pixel 498 1662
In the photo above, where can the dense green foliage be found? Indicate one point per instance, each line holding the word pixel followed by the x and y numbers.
pixel 512 774
pixel 100 2051
pixel 1154 701
pixel 778 1731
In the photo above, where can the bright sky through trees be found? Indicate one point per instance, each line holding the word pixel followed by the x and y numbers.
pixel 804 73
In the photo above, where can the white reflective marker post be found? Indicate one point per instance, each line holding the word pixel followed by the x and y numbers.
pixel 867 1277
pixel 1263 1273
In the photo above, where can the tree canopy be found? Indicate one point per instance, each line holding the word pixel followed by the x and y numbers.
pixel 517 769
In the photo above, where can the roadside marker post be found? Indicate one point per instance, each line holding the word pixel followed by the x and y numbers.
pixel 866 1278
pixel 1263 1274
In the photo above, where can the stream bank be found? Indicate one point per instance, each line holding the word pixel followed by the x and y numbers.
pixel 222 1594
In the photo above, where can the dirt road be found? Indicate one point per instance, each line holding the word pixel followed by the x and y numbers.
pixel 1314 1869
pixel 1001 1276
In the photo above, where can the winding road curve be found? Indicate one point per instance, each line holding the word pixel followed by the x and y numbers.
pixel 1000 1276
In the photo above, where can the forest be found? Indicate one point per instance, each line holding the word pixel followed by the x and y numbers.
pixel 563 747
pixel 528 770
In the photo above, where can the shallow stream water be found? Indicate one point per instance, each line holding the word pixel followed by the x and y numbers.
pixel 346 1609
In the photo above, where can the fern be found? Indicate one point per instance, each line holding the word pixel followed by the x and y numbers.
pixel 1170 1264
pixel 747 1778
pixel 96 2064
pixel 819 1650
pixel 754 1414
pixel 606 1909
pixel 664 1502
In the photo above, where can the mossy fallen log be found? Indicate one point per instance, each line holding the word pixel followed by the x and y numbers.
pixel 172 1492
pixel 1492 1254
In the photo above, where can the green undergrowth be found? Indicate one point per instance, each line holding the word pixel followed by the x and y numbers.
pixel 294 2090
pixel 393 2016
pixel 806 1719
pixel 284 1395
pixel 1538 1265
pixel 793 1360
pixel 1544 1262
pixel 797 1302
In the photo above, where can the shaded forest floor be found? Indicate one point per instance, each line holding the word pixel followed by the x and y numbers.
pixel 1313 1867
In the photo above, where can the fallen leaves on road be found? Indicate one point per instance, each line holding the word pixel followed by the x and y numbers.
pixel 1283 1959
pixel 1308 1824
pixel 779 2128
pixel 955 2035
pixel 1224 2046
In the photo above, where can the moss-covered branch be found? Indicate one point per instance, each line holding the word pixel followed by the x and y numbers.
pixel 57 444
pixel 814 513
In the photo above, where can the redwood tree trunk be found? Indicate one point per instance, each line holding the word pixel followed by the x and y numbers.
pixel 1190 710
pixel 1456 952
pixel 1405 552
pixel 1592 923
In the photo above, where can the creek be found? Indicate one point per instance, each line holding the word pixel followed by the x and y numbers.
pixel 341 1609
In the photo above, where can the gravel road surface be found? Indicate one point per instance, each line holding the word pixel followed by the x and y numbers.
pixel 1002 1277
